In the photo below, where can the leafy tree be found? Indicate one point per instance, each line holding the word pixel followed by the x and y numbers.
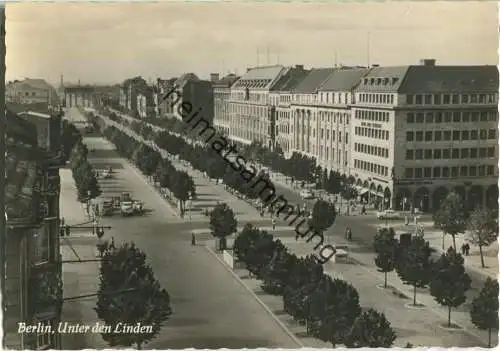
pixel 348 192
pixel 183 186
pixel 323 216
pixel 451 216
pixel 245 242
pixel 222 223
pixel 483 227
pixel 371 329
pixel 128 294
pixel 261 254
pixel 276 274
pixel 484 311
pixel 415 266
pixel 385 245
pixel 332 309
pixel 450 282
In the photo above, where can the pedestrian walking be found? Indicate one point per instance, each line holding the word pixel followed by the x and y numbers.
pixel 349 235
pixel 193 239
pixel 274 224
pixel 112 244
pixel 463 249
pixel 467 249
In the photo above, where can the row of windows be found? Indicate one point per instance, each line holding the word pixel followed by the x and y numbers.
pixel 450 172
pixel 449 116
pixel 371 167
pixel 371 150
pixel 429 154
pixel 447 99
pixel 367 115
pixel 455 135
pixel 377 98
pixel 372 133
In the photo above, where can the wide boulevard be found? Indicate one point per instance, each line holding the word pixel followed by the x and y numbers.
pixel 210 308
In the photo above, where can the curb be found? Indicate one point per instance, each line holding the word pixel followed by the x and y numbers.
pixel 276 319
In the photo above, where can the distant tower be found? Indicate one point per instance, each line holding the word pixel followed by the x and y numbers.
pixel 62 82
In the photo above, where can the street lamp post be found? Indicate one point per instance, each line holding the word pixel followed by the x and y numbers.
pixel 190 203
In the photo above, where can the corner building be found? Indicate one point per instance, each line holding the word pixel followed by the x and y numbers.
pixel 423 131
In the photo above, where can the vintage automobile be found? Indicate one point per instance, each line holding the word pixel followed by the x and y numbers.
pixel 388 214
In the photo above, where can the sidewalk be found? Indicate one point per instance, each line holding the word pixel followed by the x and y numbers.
pixel 78 278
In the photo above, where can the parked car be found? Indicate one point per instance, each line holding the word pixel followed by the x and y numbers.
pixel 388 214
pixel 127 208
pixel 306 194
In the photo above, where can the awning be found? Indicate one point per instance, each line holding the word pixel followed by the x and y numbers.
pixel 363 191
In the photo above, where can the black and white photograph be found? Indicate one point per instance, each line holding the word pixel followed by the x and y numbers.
pixel 248 174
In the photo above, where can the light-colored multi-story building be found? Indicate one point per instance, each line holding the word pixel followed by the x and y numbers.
pixel 31 91
pixel 252 115
pixel 222 94
pixel 129 91
pixel 280 97
pixel 146 106
pixel 422 131
pixel 164 100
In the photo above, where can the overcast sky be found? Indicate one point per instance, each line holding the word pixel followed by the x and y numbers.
pixel 111 42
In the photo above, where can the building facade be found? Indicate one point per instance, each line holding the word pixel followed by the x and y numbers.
pixel 130 89
pixel 222 94
pixel 31 91
pixel 146 106
pixel 196 93
pixel 425 130
pixel 252 114
pixel 33 279
pixel 163 99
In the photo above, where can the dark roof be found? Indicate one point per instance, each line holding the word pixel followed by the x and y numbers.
pixel 383 79
pixel 20 130
pixel 293 77
pixel 39 107
pixel 450 79
pixel 344 79
pixel 315 78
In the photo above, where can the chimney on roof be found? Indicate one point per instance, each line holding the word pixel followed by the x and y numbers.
pixel 214 77
pixel 301 67
pixel 427 62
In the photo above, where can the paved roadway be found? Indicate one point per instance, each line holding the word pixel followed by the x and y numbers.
pixel 210 308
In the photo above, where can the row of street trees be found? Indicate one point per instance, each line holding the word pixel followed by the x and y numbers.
pixel 329 308
pixel 446 277
pixel 85 177
pixel 453 219
pixel 152 164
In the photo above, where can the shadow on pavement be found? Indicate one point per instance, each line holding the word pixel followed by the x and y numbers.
pixel 210 342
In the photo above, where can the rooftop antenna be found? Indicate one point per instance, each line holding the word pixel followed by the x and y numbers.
pixel 368 48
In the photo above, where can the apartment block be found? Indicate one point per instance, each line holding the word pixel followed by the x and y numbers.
pixel 191 96
pixel 222 94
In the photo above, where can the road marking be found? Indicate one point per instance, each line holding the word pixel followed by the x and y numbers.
pixel 276 319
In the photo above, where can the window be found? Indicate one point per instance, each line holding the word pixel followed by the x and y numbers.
pixel 428 136
pixel 492 134
pixel 419 136
pixel 492 116
pixel 456 135
pixel 409 154
pixel 45 338
pixel 490 170
pixel 427 172
pixel 472 171
pixel 473 135
pixel 409 173
pixel 474 117
pixel 419 154
pixel 482 152
pixel 473 153
pixel 447 135
pixel 428 99
pixel 465 99
pixel 466 117
pixel 491 152
pixel 454 99
pixel 483 116
pixel 447 117
pixel 465 135
pixel 436 172
pixel 446 99
pixel 446 154
pixel 464 153
pixel 438 117
pixel 437 99
pixel 438 135
pixel 410 118
pixel 483 134
pixel 429 117
pixel 454 172
pixel 428 154
pixel 420 118
pixel 446 172
pixel 418 99
pixel 456 117
pixel 409 136
pixel 409 99
pixel 463 171
pixel 482 171
pixel 455 153
pixel 437 154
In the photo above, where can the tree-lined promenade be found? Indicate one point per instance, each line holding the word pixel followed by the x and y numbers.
pixel 411 260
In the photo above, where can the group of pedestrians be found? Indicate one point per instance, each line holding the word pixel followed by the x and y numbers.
pixel 465 249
